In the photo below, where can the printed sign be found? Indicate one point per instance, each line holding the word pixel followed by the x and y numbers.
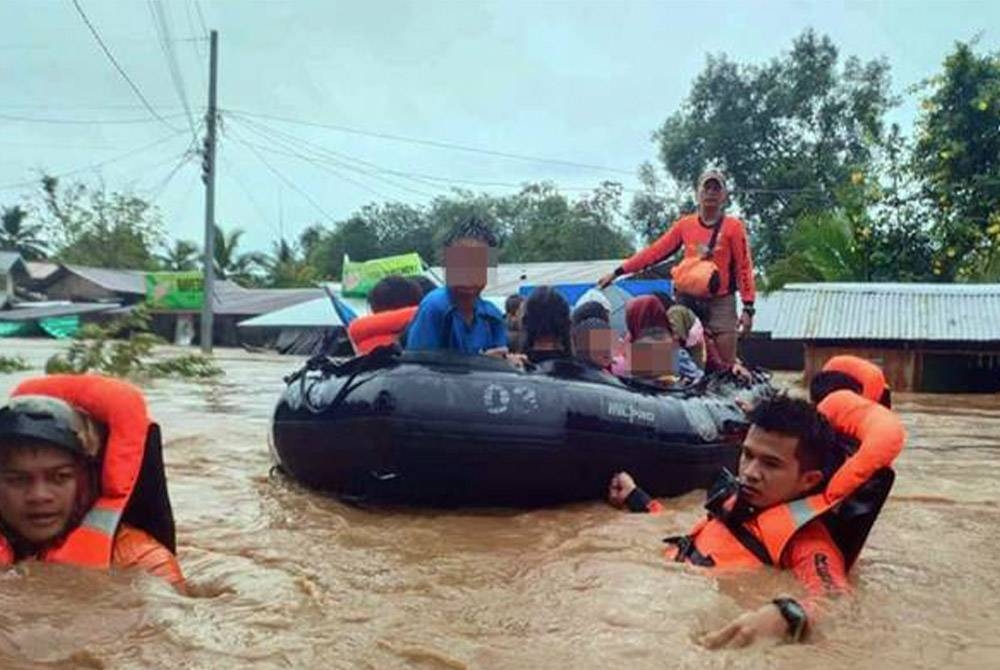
pixel 184 291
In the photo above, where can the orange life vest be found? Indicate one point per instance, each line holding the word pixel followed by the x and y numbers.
pixel 375 330
pixel 869 375
pixel 761 540
pixel 697 275
pixel 122 408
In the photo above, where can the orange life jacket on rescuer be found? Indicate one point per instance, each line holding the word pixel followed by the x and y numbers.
pixel 870 376
pixel 850 501
pixel 122 408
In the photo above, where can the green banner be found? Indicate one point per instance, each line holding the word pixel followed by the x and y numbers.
pixel 181 291
pixel 359 278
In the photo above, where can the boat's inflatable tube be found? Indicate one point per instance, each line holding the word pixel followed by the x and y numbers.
pixel 439 428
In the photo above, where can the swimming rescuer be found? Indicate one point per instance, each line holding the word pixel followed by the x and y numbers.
pixel 798 504
pixel 82 480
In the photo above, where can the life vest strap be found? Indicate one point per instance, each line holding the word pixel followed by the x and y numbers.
pixel 687 552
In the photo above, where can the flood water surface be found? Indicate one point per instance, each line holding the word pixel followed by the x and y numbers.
pixel 284 578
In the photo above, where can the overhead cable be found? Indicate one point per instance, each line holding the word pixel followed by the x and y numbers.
pixel 121 71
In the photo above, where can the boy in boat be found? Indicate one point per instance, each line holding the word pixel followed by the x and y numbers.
pixel 797 505
pixel 81 478
pixel 393 301
pixel 455 316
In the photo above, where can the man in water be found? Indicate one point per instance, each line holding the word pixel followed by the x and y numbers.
pixel 455 316
pixel 792 476
pixel 67 476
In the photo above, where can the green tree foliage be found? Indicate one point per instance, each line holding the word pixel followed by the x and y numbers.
pixel 181 257
pixel 287 267
pixel 538 223
pixel 230 263
pixel 16 235
pixel 125 348
pixel 788 132
pixel 957 156
pixel 100 228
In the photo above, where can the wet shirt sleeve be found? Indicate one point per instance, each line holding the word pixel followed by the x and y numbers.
pixel 664 247
pixel 639 501
pixel 135 548
pixel 816 561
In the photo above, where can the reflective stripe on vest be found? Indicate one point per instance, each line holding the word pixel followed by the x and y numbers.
pixel 122 408
pixel 881 438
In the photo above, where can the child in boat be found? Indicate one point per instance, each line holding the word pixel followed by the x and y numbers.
pixel 393 301
pixel 546 326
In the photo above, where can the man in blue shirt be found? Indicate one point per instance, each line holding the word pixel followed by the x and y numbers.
pixel 454 316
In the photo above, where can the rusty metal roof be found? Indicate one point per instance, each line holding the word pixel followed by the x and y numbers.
pixel 928 312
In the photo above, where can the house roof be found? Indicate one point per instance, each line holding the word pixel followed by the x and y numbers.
pixel 30 312
pixel 9 260
pixel 889 311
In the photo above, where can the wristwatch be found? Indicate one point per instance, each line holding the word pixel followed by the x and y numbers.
pixel 749 308
pixel 795 615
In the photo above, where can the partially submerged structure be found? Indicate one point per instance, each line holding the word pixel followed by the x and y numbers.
pixel 927 337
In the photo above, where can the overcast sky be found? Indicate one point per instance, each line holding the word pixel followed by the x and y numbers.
pixel 580 82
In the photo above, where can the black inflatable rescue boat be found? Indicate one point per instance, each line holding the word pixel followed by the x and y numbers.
pixel 443 429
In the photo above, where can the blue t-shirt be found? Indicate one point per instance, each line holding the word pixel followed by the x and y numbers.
pixel 439 325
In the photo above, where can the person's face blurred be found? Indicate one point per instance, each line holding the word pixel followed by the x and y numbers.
pixel 711 194
pixel 466 264
pixel 594 345
pixel 39 487
pixel 651 357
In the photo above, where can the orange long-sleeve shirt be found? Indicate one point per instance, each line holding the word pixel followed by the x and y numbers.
pixel 138 549
pixel 731 253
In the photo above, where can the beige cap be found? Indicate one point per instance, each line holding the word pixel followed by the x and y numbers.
pixel 717 175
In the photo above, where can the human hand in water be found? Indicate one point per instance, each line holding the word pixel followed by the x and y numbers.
pixel 620 487
pixel 741 371
pixel 517 360
pixel 606 280
pixel 747 628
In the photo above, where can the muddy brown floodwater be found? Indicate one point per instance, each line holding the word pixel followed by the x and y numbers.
pixel 285 578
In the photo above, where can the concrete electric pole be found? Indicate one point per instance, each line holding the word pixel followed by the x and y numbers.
pixel 208 176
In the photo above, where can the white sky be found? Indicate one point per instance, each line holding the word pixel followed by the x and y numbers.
pixel 584 82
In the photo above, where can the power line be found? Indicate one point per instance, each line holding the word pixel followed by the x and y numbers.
pixel 94 166
pixel 121 71
pixel 292 185
pixel 16 118
pixel 162 27
pixel 434 143
pixel 294 153
pixel 201 18
pixel 232 174
pixel 432 181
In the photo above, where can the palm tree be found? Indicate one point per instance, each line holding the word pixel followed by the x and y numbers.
pixel 241 268
pixel 821 248
pixel 287 267
pixel 181 257
pixel 16 236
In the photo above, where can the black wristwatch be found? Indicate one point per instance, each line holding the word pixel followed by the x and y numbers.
pixel 795 615
pixel 749 308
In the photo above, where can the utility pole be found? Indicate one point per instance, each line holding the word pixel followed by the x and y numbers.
pixel 208 176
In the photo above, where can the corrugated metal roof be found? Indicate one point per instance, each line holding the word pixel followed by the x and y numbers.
pixel 928 312
pixel 315 313
pixel 116 281
pixel 25 312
